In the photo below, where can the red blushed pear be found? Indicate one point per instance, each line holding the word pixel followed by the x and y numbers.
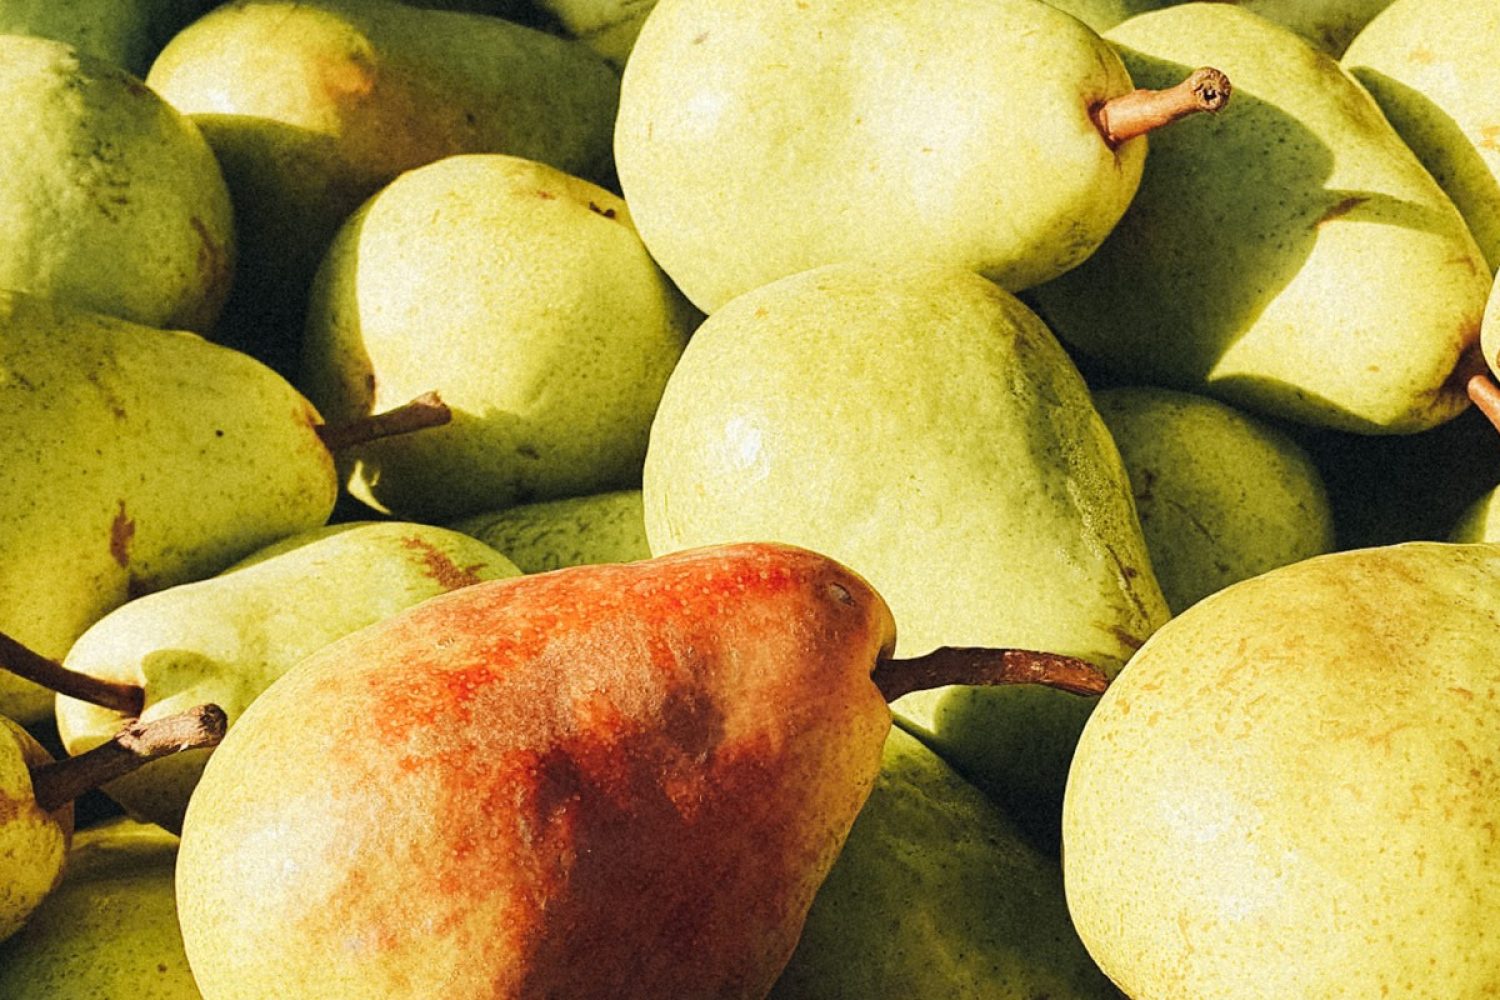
pixel 605 781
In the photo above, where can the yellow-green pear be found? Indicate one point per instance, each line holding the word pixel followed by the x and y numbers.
pixel 574 531
pixel 925 428
pixel 1434 68
pixel 226 639
pixel 1328 24
pixel 109 198
pixel 1290 256
pixel 936 894
pixel 127 33
pixel 1292 789
pixel 33 838
pixel 135 459
pixel 522 292
pixel 1221 495
pixel 756 140
pixel 1480 521
pixel 313 106
pixel 109 930
pixel 609 27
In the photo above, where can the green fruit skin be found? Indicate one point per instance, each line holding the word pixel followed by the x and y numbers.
pixel 525 296
pixel 1292 791
pixel 33 843
pixel 312 107
pixel 1328 24
pixel 924 428
pixel 741 170
pixel 127 33
pixel 1221 496
pixel 936 894
pixel 142 459
pixel 1339 288
pixel 609 27
pixel 226 639
pixel 109 198
pixel 575 531
pixel 1431 65
pixel 109 930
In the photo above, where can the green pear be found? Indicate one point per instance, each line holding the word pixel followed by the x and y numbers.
pixel 575 531
pixel 1292 790
pixel 109 930
pixel 127 33
pixel 226 639
pixel 1480 521
pixel 525 293
pixel 923 427
pixel 1231 274
pixel 609 27
pixel 1221 495
pixel 936 894
pixel 1431 66
pixel 1328 24
pixel 109 198
pixel 314 106
pixel 756 140
pixel 136 459
pixel 33 839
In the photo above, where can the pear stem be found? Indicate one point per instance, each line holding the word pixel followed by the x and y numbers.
pixel 978 665
pixel 127 699
pixel 1128 116
pixel 427 410
pixel 62 781
pixel 1486 396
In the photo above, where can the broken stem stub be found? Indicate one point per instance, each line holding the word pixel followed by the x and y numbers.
pixel 127 699
pixel 62 781
pixel 1486 396
pixel 976 665
pixel 1123 118
pixel 427 410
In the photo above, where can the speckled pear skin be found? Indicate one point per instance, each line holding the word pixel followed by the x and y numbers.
pixel 1334 285
pixel 1328 24
pixel 1292 790
pixel 551 534
pixel 33 842
pixel 620 781
pixel 1434 69
pixel 226 639
pixel 925 428
pixel 109 198
pixel 898 138
pixel 524 294
pixel 1222 496
pixel 140 459
pixel 126 33
pixel 937 894
pixel 109 930
pixel 312 107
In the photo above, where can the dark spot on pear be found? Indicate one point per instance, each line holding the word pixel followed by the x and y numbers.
pixel 1341 208
pixel 545 195
pixel 439 567
pixel 121 531
pixel 840 593
pixel 700 38
pixel 608 213
pixel 528 451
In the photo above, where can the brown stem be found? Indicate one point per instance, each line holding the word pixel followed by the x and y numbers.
pixel 62 781
pixel 127 699
pixel 427 410
pixel 1123 118
pixel 1486 396
pixel 977 665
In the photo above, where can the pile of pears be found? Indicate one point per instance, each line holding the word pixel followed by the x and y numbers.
pixel 696 499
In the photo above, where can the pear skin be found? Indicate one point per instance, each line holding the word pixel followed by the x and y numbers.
pixel 33 840
pixel 227 638
pixel 610 781
pixel 110 199
pixel 1292 789
pixel 1241 285
pixel 575 531
pixel 140 459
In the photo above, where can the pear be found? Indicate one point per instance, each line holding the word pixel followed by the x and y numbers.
pixel 926 429
pixel 313 106
pixel 226 639
pixel 1231 273
pixel 525 293
pixel 110 927
pixel 127 33
pixel 1431 66
pixel 620 781
pixel 1292 791
pixel 575 531
pixel 109 198
pixel 139 459
pixel 609 27
pixel 758 140
pixel 36 797
pixel 1480 521
pixel 936 894
pixel 1221 495
pixel 1328 24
